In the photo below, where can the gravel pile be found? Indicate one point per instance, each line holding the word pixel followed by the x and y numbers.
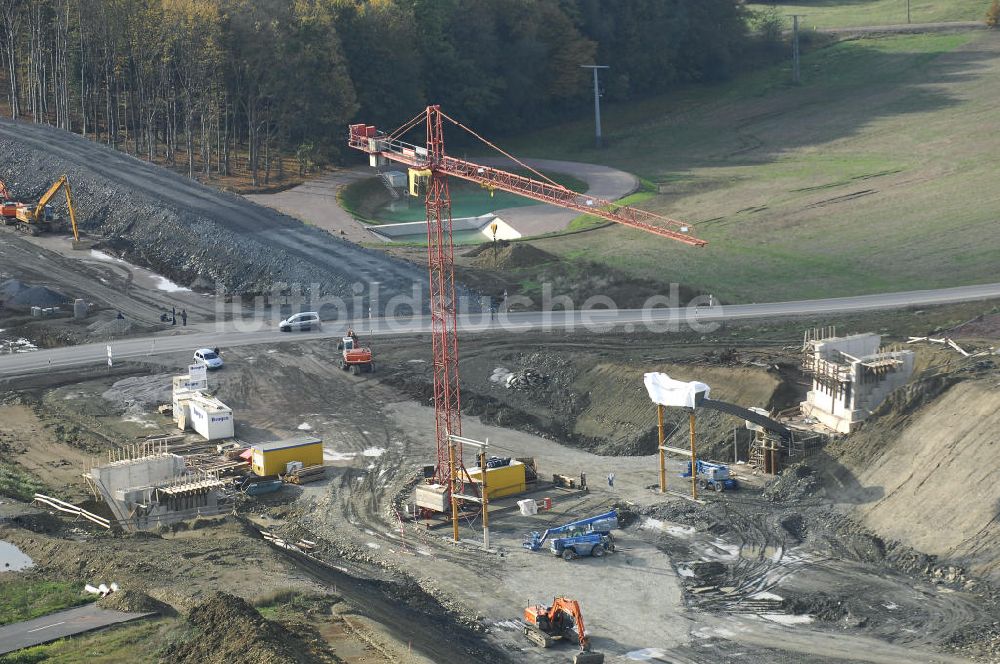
pixel 185 231
pixel 11 287
pixel 36 296
pixel 133 601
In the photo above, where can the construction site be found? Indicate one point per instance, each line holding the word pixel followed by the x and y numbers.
pixel 221 431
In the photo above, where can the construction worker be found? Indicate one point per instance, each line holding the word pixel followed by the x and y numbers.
pixel 184 317
pixel 611 480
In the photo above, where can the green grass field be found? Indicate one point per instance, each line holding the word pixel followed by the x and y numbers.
pixel 25 597
pixel 854 13
pixel 878 173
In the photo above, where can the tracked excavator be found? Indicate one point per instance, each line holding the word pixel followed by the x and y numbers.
pixel 546 625
pixel 39 218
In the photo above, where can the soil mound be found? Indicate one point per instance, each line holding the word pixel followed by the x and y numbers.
pixel 36 296
pixel 509 255
pixel 134 601
pixel 228 629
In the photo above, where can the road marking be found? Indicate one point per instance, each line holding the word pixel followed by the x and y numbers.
pixel 38 629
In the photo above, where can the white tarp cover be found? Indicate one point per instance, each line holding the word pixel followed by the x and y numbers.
pixel 528 507
pixel 666 391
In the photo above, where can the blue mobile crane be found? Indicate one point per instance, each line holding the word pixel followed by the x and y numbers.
pixel 714 476
pixel 586 537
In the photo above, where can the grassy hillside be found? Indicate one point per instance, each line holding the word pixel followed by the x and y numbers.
pixel 853 13
pixel 877 173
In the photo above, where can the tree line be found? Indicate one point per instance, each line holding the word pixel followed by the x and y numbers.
pixel 220 86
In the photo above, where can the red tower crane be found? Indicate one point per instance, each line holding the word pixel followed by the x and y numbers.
pixel 436 166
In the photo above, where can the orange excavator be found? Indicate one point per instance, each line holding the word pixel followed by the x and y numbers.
pixel 8 207
pixel 545 625
pixel 355 357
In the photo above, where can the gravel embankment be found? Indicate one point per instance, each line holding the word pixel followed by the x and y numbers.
pixel 188 232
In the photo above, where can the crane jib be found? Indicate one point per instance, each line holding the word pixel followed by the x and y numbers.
pixel 367 139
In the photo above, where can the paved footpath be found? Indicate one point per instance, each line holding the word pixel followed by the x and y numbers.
pixel 61 624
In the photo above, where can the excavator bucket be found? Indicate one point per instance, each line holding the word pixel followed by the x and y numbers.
pixel 588 657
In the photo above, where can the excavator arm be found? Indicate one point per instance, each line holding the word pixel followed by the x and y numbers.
pixel 35 216
pixel 4 194
pixel 572 608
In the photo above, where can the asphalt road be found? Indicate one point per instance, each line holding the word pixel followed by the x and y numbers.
pixel 58 625
pixel 241 333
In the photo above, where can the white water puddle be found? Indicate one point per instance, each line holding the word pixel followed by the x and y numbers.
pixel 305 426
pixel 141 421
pixel 366 433
pixel 512 625
pixel 766 595
pixel 720 550
pixel 159 281
pixel 333 455
pixel 786 619
pixel 164 284
pixel 646 654
pixel 12 558
pixel 373 451
pixel 685 571
pixel 373 545
pixel 892 606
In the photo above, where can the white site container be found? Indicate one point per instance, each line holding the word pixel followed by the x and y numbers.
pixel 432 496
pixel 210 417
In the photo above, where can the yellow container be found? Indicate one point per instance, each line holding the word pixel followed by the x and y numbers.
pixel 502 481
pixel 273 458
pixel 418 181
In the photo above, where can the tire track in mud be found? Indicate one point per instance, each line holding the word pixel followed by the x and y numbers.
pixel 897 608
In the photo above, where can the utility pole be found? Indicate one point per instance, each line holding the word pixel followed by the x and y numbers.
pixel 597 102
pixel 907 11
pixel 796 78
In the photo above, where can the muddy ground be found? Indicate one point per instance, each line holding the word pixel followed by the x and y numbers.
pixel 784 571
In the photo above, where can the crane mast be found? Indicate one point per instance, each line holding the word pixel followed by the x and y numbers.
pixel 437 166
pixel 444 333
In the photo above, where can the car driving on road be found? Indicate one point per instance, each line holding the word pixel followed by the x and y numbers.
pixel 305 321
pixel 208 358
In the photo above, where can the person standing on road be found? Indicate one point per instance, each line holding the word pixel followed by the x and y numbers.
pixel 184 317
pixel 611 480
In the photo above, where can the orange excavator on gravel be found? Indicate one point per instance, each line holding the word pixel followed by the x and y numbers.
pixel 545 625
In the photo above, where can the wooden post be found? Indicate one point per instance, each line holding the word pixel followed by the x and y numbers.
pixel 663 453
pixel 486 502
pixel 452 490
pixel 694 460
